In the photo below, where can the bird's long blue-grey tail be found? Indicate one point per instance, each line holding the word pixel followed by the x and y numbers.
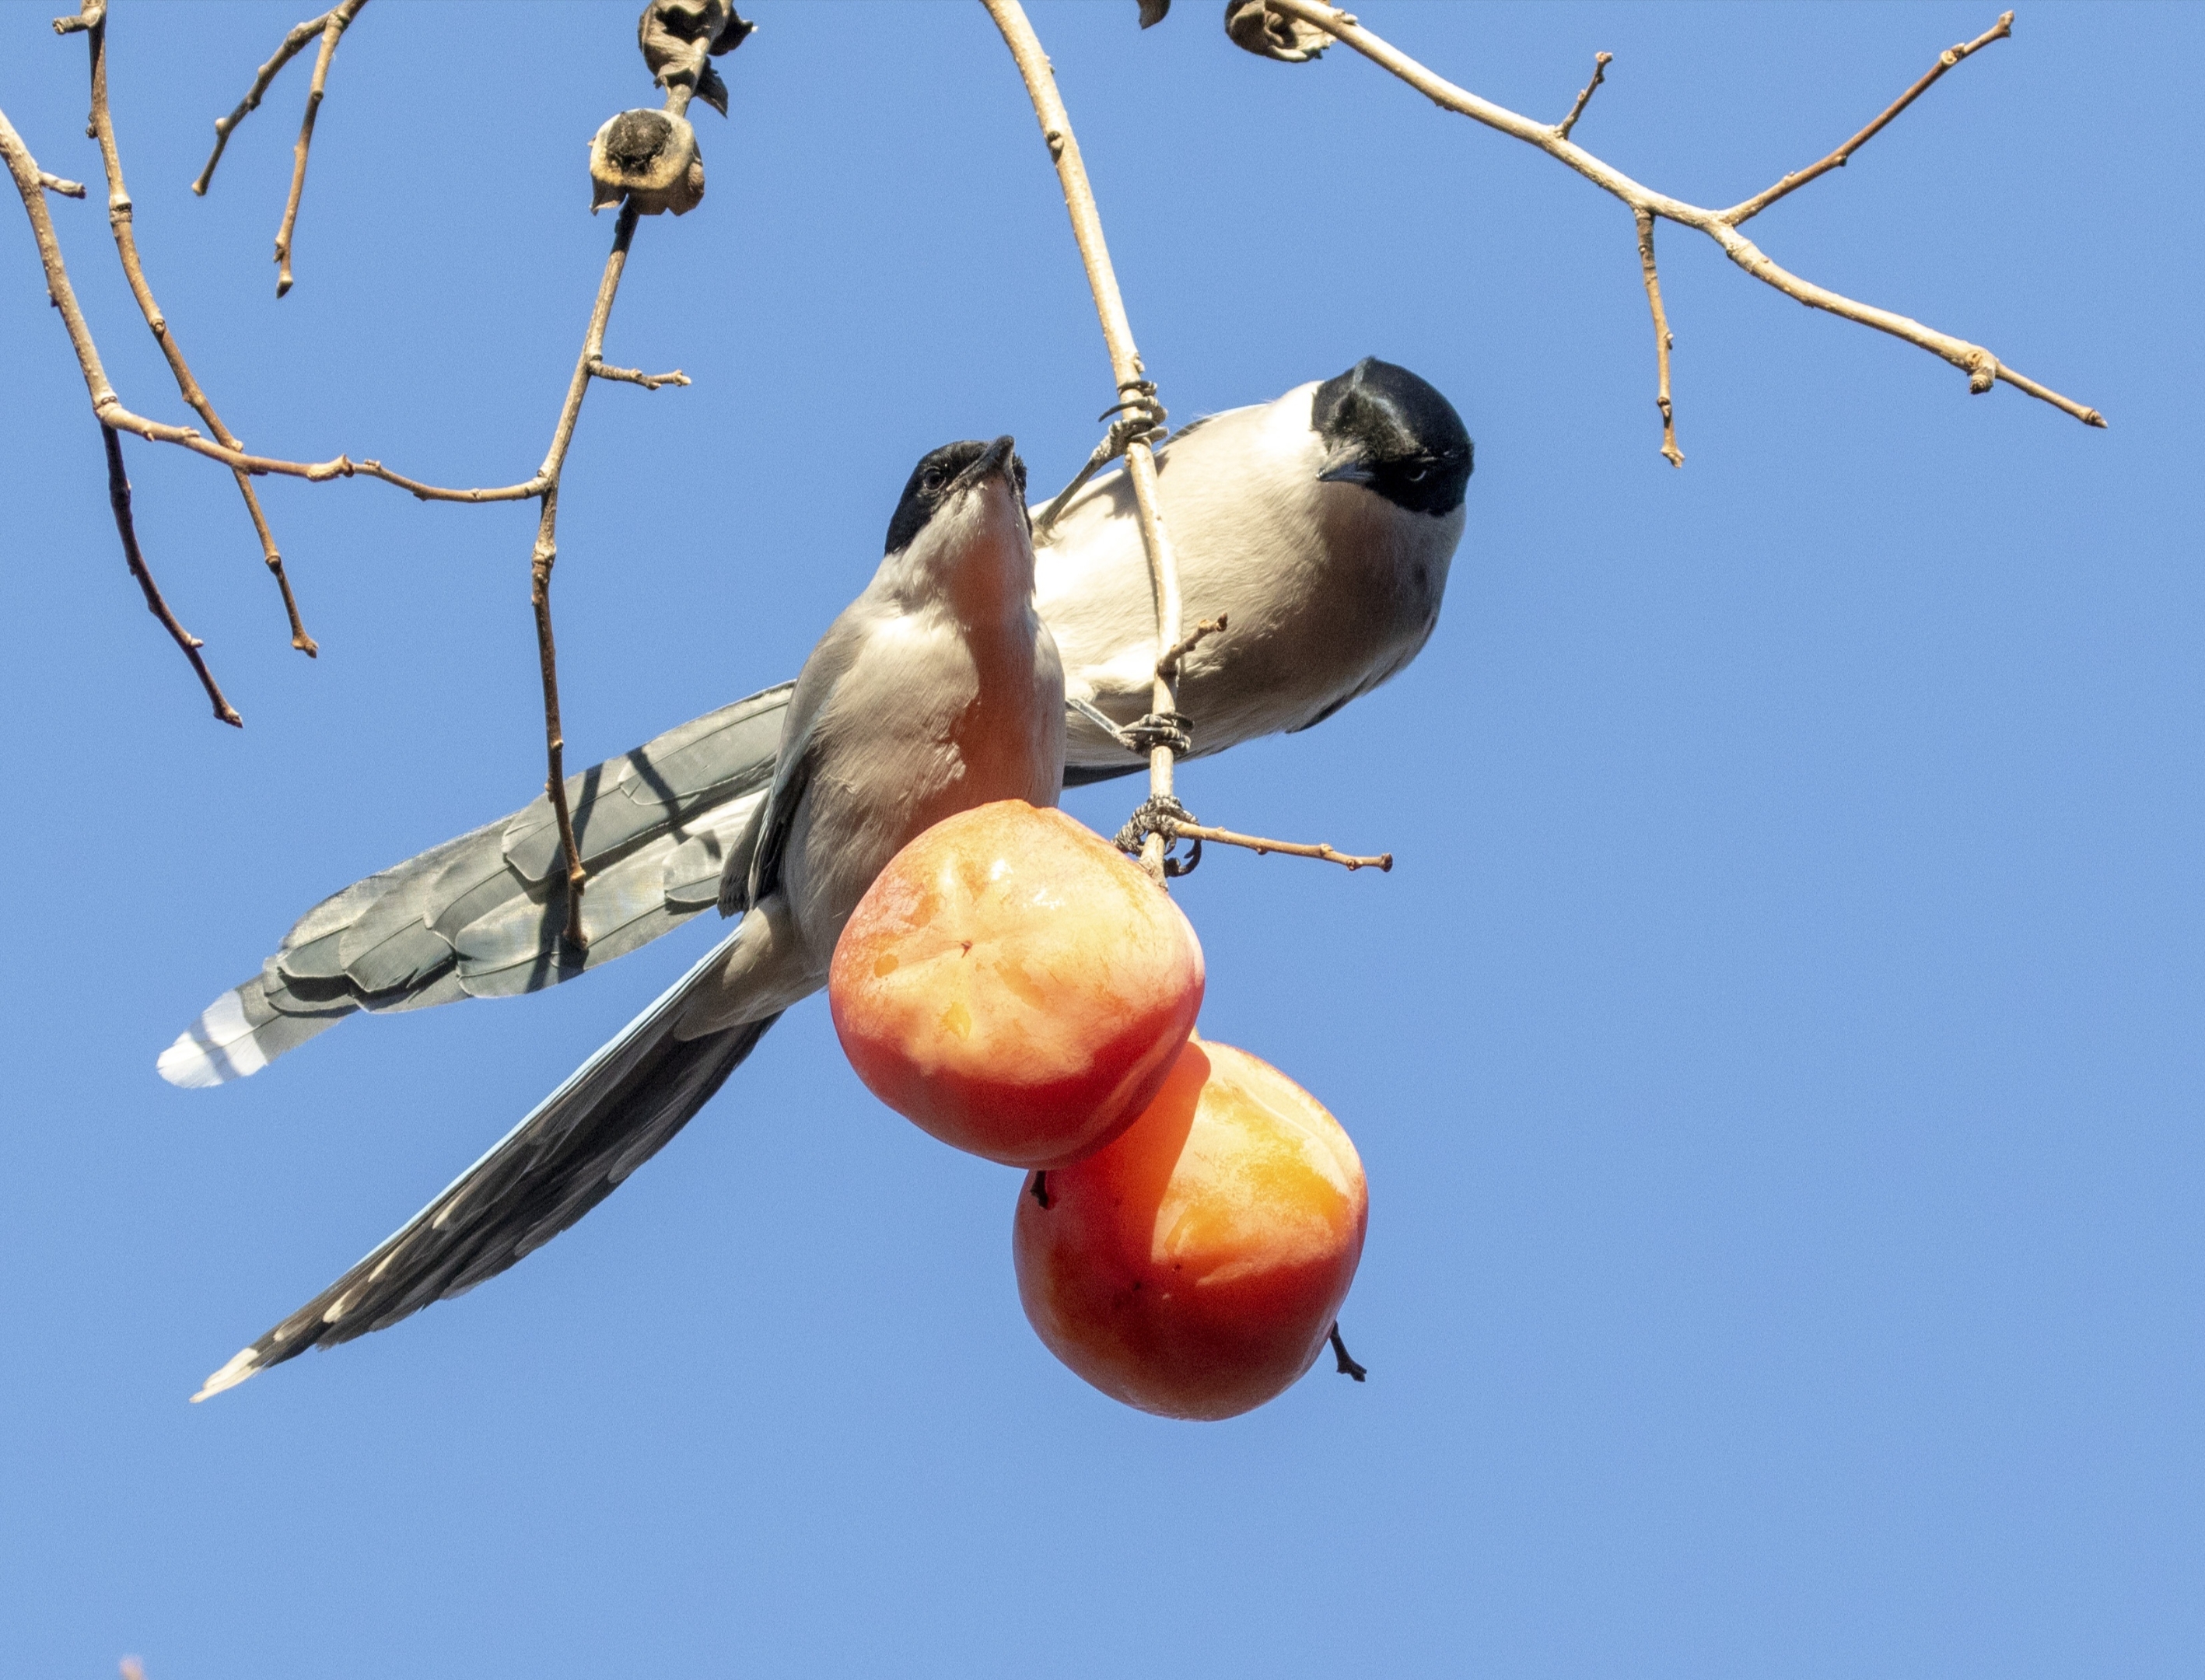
pixel 616 1111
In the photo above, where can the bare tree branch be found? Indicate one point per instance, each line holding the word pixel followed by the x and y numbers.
pixel 121 220
pixel 293 44
pixel 1664 340
pixel 1168 665
pixel 1161 816
pixel 1838 159
pixel 682 70
pixel 1600 61
pixel 546 556
pixel 1026 52
pixel 29 183
pixel 118 496
pixel 330 26
pixel 333 28
pixel 1201 831
pixel 649 382
pixel 524 491
pixel 1982 368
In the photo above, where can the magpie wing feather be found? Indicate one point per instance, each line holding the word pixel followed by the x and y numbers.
pixel 482 915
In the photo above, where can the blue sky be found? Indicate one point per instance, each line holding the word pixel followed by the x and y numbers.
pixel 1775 1057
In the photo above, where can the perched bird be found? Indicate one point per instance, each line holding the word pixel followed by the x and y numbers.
pixel 936 690
pixel 1321 526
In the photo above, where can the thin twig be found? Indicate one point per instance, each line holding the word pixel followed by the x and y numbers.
pixel 525 491
pixel 1167 666
pixel 293 44
pixel 29 180
pixel 1382 863
pixel 25 171
pixel 546 556
pixel 1982 368
pixel 1664 340
pixel 1838 159
pixel 121 220
pixel 54 183
pixel 118 496
pixel 1161 816
pixel 333 27
pixel 649 382
pixel 105 404
pixel 1600 61
pixel 1055 122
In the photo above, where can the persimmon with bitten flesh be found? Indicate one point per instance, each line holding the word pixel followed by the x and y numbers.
pixel 1195 1266
pixel 1015 986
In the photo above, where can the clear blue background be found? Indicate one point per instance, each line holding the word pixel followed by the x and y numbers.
pixel 1776 1056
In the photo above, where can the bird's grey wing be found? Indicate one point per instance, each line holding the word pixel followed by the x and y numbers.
pixel 620 1108
pixel 481 916
pixel 768 841
pixel 753 868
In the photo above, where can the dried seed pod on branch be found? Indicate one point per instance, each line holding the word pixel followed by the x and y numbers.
pixel 1255 28
pixel 679 37
pixel 649 159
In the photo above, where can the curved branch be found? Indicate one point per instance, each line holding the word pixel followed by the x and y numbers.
pixel 1161 818
pixel 1982 368
pixel 1836 160
pixel 546 556
pixel 118 498
pixel 292 45
pixel 121 220
pixel 333 27
pixel 1055 122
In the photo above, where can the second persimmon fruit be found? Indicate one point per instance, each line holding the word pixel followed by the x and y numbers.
pixel 1015 986
pixel 1194 1268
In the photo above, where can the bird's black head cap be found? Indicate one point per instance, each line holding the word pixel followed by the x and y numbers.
pixel 944 471
pixel 1390 430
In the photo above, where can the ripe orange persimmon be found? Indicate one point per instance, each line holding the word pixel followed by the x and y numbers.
pixel 1195 1266
pixel 1015 986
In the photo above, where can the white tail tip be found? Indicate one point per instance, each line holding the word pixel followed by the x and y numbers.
pixel 239 1367
pixel 216 1048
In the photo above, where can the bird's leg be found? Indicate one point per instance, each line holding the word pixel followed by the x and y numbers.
pixel 1159 814
pixel 1140 416
pixel 1173 729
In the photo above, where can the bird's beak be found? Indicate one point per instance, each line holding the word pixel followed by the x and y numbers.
pixel 998 461
pixel 1346 466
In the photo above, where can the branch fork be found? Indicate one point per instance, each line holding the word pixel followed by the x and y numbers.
pixel 330 26
pixel 1983 369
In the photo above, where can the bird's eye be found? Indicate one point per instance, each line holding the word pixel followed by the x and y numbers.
pixel 930 480
pixel 1416 477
